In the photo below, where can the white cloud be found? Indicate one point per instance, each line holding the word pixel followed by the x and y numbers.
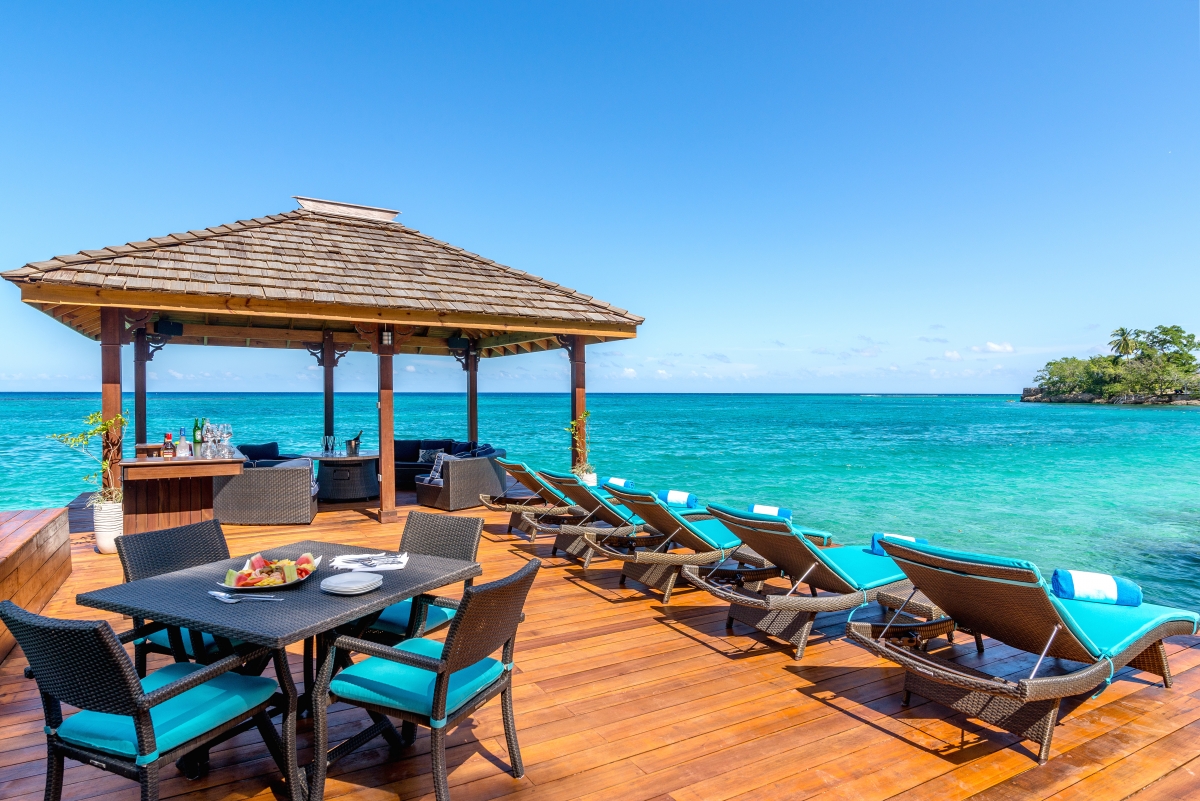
pixel 942 340
pixel 661 374
pixel 868 353
pixel 175 374
pixel 992 347
pixel 408 368
pixel 717 357
pixel 313 367
pixel 629 372
pixel 952 356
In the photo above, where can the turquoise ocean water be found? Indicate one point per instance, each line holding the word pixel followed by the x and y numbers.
pixel 1107 488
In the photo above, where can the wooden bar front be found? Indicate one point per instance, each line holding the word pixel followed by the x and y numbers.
pixel 163 493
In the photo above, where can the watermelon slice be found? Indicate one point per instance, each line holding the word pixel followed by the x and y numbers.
pixel 231 577
pixel 257 562
pixel 289 573
pixel 304 559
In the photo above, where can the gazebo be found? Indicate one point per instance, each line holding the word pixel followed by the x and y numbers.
pixel 328 278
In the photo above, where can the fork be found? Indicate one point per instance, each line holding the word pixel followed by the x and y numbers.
pixel 226 598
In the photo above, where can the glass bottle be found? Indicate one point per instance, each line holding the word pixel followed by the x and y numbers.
pixel 168 446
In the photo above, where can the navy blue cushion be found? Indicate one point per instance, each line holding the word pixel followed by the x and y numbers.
pixel 461 447
pixel 269 450
pixel 483 450
pixel 182 718
pixel 383 683
pixel 440 444
pixel 406 450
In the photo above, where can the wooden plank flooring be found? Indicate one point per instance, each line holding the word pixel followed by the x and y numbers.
pixel 618 697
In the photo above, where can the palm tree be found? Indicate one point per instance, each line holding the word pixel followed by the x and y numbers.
pixel 1124 342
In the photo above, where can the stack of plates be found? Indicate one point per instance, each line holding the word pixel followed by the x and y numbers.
pixel 352 583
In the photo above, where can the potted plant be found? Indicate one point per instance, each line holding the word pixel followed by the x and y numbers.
pixel 579 436
pixel 107 512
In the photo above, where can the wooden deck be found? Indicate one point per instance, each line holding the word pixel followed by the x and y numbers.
pixel 618 697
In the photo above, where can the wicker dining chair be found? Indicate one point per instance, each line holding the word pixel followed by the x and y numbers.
pixel 425 683
pixel 131 727
pixel 448 536
pixel 153 553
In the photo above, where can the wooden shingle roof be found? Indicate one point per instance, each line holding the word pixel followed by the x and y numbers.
pixel 316 265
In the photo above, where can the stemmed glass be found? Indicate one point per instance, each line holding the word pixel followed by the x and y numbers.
pixel 209 449
pixel 327 445
pixel 226 432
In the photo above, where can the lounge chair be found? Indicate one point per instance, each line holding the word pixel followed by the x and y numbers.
pixel 853 575
pixel 1008 600
pixel 545 500
pixel 708 538
pixel 616 527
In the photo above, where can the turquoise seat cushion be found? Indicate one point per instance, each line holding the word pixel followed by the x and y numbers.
pixel 391 684
pixel 1107 629
pixel 161 639
pixel 862 570
pixel 394 619
pixel 975 558
pixel 182 718
pixel 715 533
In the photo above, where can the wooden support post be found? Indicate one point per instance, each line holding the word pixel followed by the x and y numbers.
pixel 112 325
pixel 472 366
pixel 387 434
pixel 328 361
pixel 141 355
pixel 578 394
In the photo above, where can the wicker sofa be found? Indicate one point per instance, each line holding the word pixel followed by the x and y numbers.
pixel 462 482
pixel 266 495
pixel 408 462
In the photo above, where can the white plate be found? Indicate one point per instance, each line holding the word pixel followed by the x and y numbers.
pixel 352 583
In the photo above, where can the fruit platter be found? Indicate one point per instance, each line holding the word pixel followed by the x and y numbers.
pixel 264 574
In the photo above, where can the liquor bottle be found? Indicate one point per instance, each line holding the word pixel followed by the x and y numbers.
pixel 197 435
pixel 168 446
pixel 183 447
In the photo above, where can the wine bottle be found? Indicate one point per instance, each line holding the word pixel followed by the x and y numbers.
pixel 197 436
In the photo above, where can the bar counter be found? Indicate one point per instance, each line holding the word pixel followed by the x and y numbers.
pixel 162 493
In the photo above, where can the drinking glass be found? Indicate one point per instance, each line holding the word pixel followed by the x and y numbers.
pixel 209 449
pixel 327 445
pixel 226 434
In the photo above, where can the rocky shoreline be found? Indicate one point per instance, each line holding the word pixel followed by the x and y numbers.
pixel 1035 395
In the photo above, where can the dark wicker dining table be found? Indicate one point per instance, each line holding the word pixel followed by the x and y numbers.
pixel 305 613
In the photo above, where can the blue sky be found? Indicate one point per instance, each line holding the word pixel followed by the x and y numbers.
pixel 861 197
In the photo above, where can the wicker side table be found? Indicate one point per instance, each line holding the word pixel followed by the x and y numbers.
pixel 918 607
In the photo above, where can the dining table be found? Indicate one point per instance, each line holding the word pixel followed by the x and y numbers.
pixel 305 613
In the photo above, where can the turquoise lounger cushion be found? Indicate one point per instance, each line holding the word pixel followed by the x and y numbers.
pixel 715 533
pixel 394 619
pixel 862 570
pixel 182 718
pixel 161 638
pixel 383 683
pixel 1108 629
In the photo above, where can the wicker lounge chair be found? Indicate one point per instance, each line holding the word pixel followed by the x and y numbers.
pixel 708 538
pixel 433 535
pixel 426 683
pixel 853 575
pixel 153 553
pixel 545 501
pixel 131 727
pixel 615 527
pixel 1008 600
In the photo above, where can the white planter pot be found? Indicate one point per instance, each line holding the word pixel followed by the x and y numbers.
pixel 108 522
pixel 589 479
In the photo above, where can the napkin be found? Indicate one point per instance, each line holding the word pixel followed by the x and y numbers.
pixel 343 562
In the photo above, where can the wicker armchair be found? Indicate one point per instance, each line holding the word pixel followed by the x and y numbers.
pixel 131 727
pixel 279 496
pixel 153 553
pixel 426 683
pixel 432 535
pixel 463 481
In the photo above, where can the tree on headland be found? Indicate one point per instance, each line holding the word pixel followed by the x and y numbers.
pixel 1144 364
pixel 1124 342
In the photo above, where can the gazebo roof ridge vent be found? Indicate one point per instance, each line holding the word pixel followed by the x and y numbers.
pixel 343 209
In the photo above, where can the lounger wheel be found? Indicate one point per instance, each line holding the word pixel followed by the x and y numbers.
pixel 193 766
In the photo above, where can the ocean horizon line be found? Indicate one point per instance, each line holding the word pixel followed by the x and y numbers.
pixel 72 393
